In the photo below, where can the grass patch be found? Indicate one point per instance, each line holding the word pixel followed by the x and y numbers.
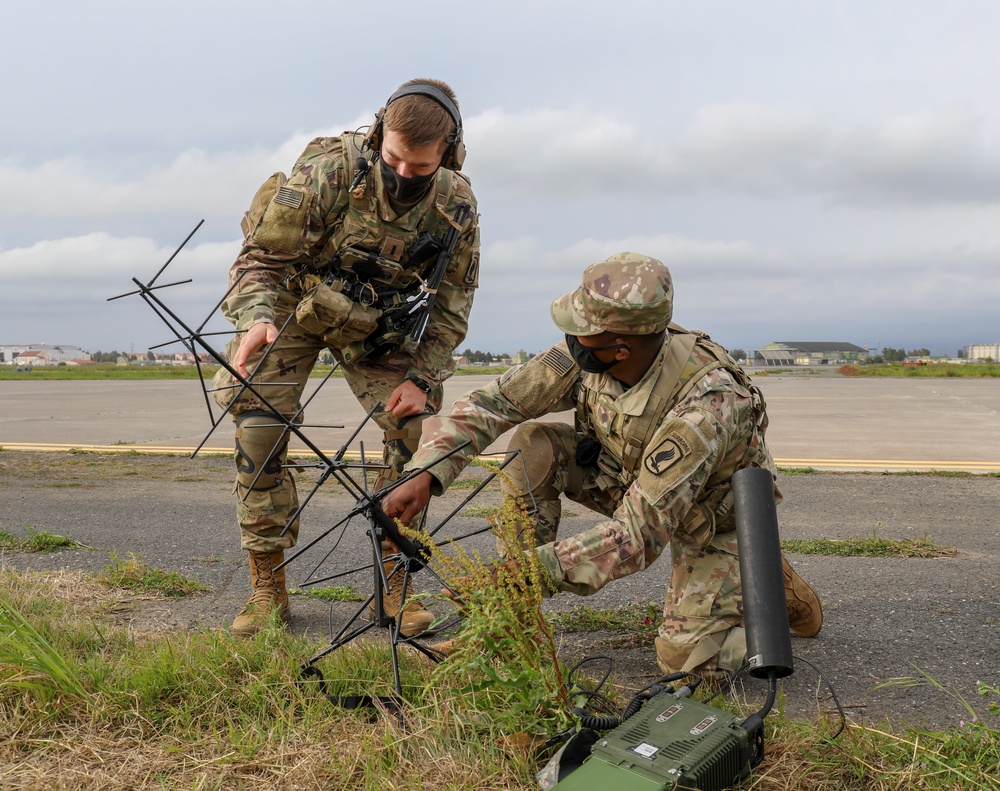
pixel 932 370
pixel 89 468
pixel 134 574
pixel 37 541
pixel 799 470
pixel 873 546
pixel 633 625
pixel 330 593
pixel 483 511
pixel 468 484
pixel 86 699
pixel 104 371
pixel 940 473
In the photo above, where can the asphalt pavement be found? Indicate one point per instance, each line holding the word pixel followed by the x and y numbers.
pixel 886 619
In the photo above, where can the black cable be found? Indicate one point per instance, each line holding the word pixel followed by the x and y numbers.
pixel 594 698
pixel 836 701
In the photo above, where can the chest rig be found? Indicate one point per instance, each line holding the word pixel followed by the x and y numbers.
pixel 690 356
pixel 375 263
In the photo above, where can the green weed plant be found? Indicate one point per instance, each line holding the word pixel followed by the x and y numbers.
pixel 37 541
pixel 506 650
pixel 873 546
pixel 133 574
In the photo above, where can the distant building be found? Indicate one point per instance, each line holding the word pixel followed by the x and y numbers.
pixel 32 358
pixel 51 355
pixel 983 351
pixel 809 353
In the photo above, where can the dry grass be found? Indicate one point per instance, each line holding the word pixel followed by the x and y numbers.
pixel 204 711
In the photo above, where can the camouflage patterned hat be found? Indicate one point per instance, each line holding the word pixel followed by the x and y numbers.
pixel 628 293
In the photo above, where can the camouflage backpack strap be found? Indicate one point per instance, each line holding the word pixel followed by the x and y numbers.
pixel 717 501
pixel 641 430
pixel 361 198
pixel 724 360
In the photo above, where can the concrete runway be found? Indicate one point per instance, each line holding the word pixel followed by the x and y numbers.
pixel 820 420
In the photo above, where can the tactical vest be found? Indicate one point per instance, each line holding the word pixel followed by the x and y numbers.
pixel 359 246
pixel 690 356
pixel 358 227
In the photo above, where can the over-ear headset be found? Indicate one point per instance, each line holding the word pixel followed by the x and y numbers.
pixel 454 155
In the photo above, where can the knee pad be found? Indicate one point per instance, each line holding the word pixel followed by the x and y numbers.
pixel 544 447
pixel 261 446
pixel 723 651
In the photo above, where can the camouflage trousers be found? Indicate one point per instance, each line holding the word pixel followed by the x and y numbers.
pixel 265 502
pixel 702 627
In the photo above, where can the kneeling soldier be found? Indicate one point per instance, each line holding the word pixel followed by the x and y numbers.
pixel 664 417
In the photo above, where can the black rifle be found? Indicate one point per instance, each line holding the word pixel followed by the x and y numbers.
pixel 419 310
pixel 405 325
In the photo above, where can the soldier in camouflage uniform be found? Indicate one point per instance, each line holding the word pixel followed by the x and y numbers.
pixel 664 417
pixel 334 255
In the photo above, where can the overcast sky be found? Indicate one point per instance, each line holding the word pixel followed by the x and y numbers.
pixel 811 171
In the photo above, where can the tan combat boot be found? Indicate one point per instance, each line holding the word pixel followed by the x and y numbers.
pixel 268 594
pixel 415 619
pixel 805 613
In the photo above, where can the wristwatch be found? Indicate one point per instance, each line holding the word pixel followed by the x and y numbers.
pixel 419 383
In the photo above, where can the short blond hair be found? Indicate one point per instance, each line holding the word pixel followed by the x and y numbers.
pixel 421 120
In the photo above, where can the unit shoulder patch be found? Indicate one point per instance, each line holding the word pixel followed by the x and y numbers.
pixel 666 454
pixel 676 453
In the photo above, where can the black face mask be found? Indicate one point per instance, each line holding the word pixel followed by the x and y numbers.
pixel 584 355
pixel 402 189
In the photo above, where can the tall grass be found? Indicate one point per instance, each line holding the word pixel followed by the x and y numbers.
pixel 86 703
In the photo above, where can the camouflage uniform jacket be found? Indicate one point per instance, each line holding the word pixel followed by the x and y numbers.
pixel 712 424
pixel 300 225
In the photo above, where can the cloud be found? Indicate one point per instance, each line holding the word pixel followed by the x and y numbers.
pixel 937 156
pixel 769 217
pixel 565 156
pixel 84 193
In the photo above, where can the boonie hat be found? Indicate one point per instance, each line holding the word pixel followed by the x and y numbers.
pixel 628 293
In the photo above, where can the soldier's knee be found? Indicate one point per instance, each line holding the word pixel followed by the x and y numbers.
pixel 539 445
pixel 695 652
pixel 261 445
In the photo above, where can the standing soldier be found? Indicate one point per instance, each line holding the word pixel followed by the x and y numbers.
pixel 337 255
pixel 664 417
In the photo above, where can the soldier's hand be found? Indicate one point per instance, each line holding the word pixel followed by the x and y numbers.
pixel 409 499
pixel 258 335
pixel 406 400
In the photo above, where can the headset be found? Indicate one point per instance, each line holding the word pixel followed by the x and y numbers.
pixel 454 155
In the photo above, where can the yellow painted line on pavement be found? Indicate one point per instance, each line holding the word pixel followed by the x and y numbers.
pixel 890 464
pixel 900 465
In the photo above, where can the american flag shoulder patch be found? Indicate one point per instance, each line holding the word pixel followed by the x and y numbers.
pixel 557 360
pixel 289 197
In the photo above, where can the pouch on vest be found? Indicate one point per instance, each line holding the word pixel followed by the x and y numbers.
pixel 333 317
